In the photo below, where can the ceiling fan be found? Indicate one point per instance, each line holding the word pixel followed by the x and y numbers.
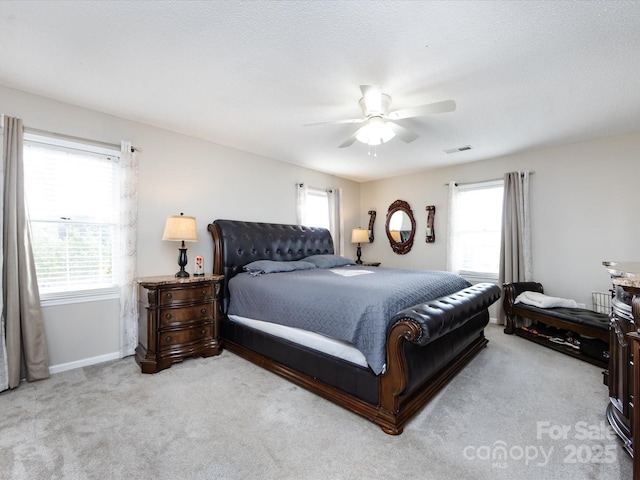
pixel 379 124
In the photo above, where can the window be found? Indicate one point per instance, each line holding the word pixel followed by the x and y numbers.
pixel 476 220
pixel 72 192
pixel 317 208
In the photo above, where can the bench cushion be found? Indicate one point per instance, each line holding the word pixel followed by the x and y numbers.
pixel 578 316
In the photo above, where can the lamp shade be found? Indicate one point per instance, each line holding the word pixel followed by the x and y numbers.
pixel 180 228
pixel 359 235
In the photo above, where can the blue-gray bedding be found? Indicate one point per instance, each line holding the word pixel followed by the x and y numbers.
pixel 356 308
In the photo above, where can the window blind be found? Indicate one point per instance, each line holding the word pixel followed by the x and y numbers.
pixel 73 200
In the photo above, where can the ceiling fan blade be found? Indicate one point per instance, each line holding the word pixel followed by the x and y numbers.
pixel 349 141
pixel 372 95
pixel 335 122
pixel 437 107
pixel 404 134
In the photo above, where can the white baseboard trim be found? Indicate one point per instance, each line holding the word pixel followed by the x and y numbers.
pixel 493 320
pixel 85 362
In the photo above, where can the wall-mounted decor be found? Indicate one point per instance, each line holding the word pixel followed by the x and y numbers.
pixel 400 227
pixel 431 215
pixel 372 220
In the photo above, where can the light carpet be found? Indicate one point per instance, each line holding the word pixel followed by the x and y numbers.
pixel 517 411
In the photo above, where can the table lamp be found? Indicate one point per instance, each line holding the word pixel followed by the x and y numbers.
pixel 359 235
pixel 181 228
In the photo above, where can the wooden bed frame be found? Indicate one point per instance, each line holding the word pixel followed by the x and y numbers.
pixel 427 345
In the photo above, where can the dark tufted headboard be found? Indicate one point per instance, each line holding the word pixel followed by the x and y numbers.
pixel 236 243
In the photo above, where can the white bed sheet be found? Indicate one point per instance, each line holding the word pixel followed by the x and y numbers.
pixel 315 341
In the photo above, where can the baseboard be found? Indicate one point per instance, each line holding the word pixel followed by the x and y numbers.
pixel 85 362
pixel 493 320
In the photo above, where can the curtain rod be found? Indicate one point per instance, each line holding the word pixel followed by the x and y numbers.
pixel 71 138
pixel 483 181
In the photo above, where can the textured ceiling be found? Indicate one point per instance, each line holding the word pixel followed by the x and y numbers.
pixel 249 74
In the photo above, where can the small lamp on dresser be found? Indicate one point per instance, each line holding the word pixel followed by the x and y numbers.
pixel 359 235
pixel 181 228
pixel 395 234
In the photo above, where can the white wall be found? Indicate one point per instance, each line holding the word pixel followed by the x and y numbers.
pixel 176 174
pixel 584 200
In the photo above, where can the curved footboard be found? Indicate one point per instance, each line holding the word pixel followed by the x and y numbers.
pixel 421 325
pixel 443 315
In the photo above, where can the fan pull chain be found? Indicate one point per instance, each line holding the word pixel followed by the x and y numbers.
pixel 375 151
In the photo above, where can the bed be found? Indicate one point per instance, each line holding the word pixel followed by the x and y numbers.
pixel 408 354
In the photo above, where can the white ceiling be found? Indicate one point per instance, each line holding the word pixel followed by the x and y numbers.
pixel 249 74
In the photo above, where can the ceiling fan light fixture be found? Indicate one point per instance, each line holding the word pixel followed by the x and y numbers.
pixel 375 103
pixel 375 132
pixel 379 125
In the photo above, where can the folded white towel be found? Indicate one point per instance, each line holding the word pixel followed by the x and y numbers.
pixel 541 300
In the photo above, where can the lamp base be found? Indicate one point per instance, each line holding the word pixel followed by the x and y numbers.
pixel 358 254
pixel 182 262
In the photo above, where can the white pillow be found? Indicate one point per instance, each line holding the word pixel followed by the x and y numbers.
pixel 541 300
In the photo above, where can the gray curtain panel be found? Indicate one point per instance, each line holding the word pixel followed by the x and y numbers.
pixel 4 370
pixel 515 249
pixel 26 348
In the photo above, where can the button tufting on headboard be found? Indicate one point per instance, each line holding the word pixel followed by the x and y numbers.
pixel 238 243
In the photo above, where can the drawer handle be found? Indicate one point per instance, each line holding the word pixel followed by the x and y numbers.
pixel 204 291
pixel 169 316
pixel 203 311
pixel 204 330
pixel 169 295
pixel 169 339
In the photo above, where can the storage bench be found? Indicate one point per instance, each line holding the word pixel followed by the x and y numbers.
pixel 592 327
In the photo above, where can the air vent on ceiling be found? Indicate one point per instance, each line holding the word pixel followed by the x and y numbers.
pixel 459 149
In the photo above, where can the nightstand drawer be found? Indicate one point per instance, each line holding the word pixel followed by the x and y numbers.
pixel 181 295
pixel 171 316
pixel 172 339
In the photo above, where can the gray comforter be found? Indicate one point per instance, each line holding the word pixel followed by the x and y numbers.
pixel 355 308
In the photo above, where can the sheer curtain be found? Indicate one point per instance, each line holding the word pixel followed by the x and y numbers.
pixel 128 249
pixel 301 204
pixel 515 251
pixel 452 263
pixel 24 349
pixel 335 219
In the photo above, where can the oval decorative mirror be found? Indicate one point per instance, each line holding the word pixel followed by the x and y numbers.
pixel 400 227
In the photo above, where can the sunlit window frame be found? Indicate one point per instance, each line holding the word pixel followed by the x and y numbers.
pixel 476 275
pixel 63 297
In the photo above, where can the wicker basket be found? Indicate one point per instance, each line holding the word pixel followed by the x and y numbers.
pixel 601 302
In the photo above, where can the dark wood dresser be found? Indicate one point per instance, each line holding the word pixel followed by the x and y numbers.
pixel 177 318
pixel 624 371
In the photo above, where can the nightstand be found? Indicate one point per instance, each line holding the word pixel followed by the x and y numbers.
pixel 178 318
